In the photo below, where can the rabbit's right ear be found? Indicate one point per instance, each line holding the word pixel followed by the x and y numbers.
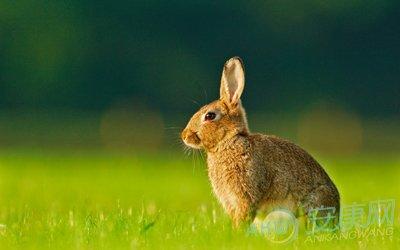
pixel 232 81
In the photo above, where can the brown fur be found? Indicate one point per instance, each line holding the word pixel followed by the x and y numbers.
pixel 254 173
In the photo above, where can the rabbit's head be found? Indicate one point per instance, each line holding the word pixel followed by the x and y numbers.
pixel 222 119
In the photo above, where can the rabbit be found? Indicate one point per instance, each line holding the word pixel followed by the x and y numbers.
pixel 253 173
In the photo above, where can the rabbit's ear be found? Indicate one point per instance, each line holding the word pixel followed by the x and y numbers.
pixel 232 81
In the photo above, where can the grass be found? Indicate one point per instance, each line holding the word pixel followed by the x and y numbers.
pixel 97 200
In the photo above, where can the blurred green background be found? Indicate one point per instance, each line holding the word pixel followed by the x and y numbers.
pixel 94 94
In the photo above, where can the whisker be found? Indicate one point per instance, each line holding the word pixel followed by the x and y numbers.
pixel 195 102
pixel 194 162
pixel 205 92
pixel 201 87
pixel 202 156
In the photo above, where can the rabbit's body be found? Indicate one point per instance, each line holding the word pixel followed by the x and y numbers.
pixel 254 173
pixel 247 179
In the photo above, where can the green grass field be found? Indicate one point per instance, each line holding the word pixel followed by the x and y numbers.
pixel 92 199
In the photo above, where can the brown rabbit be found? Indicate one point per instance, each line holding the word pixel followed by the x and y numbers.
pixel 254 173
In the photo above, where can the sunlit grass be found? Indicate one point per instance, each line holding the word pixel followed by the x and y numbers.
pixel 90 199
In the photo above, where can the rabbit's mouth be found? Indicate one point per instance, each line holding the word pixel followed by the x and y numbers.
pixel 191 139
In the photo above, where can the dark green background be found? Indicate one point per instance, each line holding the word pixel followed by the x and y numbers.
pixel 86 54
pixel 85 72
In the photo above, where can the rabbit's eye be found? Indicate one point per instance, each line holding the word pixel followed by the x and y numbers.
pixel 210 116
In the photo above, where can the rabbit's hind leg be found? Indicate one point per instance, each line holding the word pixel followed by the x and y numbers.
pixel 322 197
pixel 322 206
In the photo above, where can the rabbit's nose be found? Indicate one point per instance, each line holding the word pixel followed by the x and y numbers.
pixel 190 138
pixel 185 133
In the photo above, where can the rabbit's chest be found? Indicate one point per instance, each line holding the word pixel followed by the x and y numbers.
pixel 226 185
pixel 229 183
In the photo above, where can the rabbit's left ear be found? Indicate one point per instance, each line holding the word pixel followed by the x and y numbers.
pixel 232 81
